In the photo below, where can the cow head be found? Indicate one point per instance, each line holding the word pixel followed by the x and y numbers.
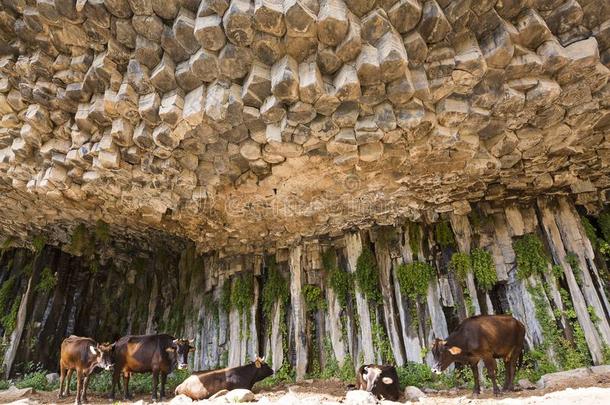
pixel 444 355
pixel 262 369
pixel 104 355
pixel 181 348
pixel 372 376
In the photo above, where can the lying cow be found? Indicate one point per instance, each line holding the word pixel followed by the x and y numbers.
pixel 83 355
pixel 203 384
pixel 381 381
pixel 483 337
pixel 156 354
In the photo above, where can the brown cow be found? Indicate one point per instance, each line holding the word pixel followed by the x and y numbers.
pixel 159 354
pixel 381 381
pixel 203 384
pixel 483 337
pixel 83 355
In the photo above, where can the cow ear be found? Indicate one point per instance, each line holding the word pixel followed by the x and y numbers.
pixel 257 363
pixel 170 350
pixel 387 380
pixel 191 349
pixel 455 350
pixel 93 350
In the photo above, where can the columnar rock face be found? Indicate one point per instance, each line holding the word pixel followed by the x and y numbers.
pixel 379 294
pixel 244 125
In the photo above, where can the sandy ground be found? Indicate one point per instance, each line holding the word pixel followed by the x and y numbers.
pixel 586 391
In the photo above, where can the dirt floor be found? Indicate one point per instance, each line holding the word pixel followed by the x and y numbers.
pixel 594 389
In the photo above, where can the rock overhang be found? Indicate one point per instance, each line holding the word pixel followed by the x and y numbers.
pixel 243 125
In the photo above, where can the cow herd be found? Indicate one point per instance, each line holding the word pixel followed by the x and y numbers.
pixel 483 337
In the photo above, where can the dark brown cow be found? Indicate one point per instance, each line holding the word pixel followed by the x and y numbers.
pixel 203 384
pixel 83 355
pixel 381 381
pixel 156 354
pixel 483 337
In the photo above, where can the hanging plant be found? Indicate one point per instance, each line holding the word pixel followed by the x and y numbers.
pixel 461 265
pixel 414 238
pixel 589 231
pixel 444 235
pixel 531 258
pixel 604 225
pixel 339 280
pixel 414 278
pixel 484 269
pixel 47 282
pixel 367 278
pixel 314 298
pixel 275 289
pixel 225 296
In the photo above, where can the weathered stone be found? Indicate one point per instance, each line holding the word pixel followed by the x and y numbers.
pixel 285 80
pixel 209 33
pixel 237 22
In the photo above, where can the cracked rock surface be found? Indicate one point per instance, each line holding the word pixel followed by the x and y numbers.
pixel 247 124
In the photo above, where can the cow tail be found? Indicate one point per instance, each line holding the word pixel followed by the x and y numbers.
pixel 520 362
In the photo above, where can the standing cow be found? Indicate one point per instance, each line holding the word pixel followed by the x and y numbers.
pixel 203 384
pixel 159 354
pixel 483 337
pixel 83 355
pixel 381 381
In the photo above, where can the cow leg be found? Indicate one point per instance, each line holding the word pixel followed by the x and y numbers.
pixel 62 378
pixel 511 369
pixel 70 371
pixel 126 387
pixel 490 364
pixel 477 385
pixel 85 384
pixel 155 383
pixel 115 378
pixel 79 386
pixel 163 380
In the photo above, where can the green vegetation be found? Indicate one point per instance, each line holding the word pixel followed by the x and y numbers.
pixel 444 235
pixel 275 288
pixel 531 258
pixel 572 260
pixel 604 225
pixel 589 231
pixel 48 281
pixel 414 238
pixel 414 278
pixel 39 241
pixel 484 269
pixel 461 265
pixel 284 375
pixel 332 369
pixel 9 318
pixel 382 343
pixel 314 297
pixel 225 296
pixel 242 296
pixel 100 383
pixel 367 278
pixel 420 375
pixel 480 263
pixel 342 282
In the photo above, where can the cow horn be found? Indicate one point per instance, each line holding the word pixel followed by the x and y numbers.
pixel 92 350
pixel 191 341
pixel 175 341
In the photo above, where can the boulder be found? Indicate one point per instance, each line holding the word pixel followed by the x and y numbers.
pixel 562 377
pixel 413 393
pixel 239 395
pixel 13 394
pixel 360 397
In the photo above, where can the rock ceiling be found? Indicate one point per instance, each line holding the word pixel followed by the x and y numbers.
pixel 240 124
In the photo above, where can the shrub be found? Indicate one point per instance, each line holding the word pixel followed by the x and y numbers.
pixel 414 238
pixel 414 278
pixel 589 231
pixel 367 278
